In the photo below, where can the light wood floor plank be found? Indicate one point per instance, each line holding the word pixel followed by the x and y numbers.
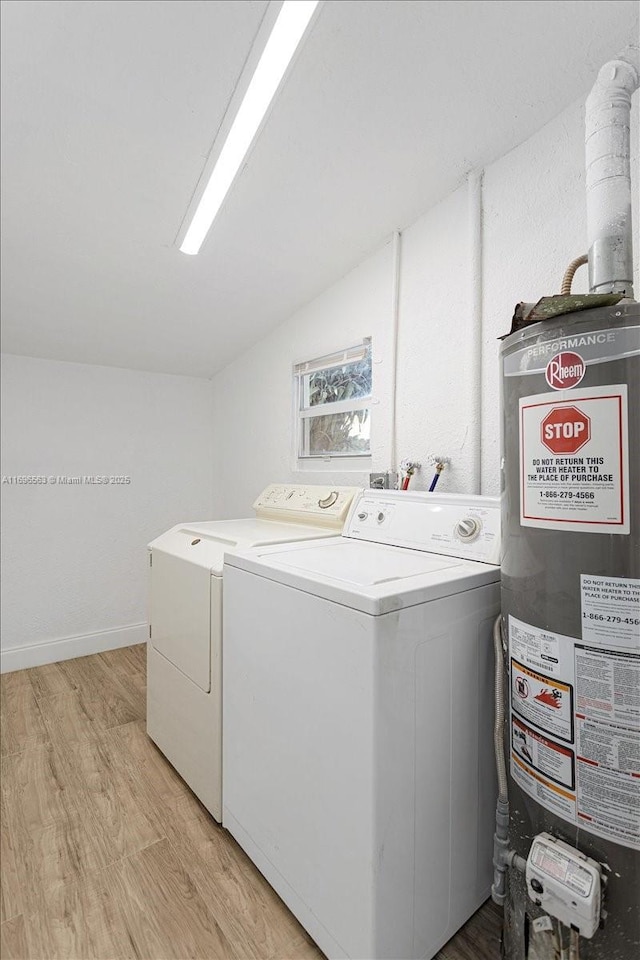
pixel 112 797
pixel 34 787
pixel 129 663
pixel 13 940
pixel 302 948
pixel 158 778
pixel 92 678
pixel 55 855
pixel 479 937
pixel 53 835
pixel 86 676
pixel 10 899
pixel 82 920
pixel 107 854
pixel 73 716
pixel 9 681
pixel 48 681
pixel 167 918
pixel 21 723
pixel 130 673
pixel 251 913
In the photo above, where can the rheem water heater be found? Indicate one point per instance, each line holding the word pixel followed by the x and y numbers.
pixel 571 634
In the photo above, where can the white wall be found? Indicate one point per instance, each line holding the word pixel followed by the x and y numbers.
pixel 533 225
pixel 74 558
pixel 253 396
pixel 435 380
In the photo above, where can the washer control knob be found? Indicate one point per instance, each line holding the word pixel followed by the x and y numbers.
pixel 468 529
pixel 381 517
pixel 362 516
pixel 328 501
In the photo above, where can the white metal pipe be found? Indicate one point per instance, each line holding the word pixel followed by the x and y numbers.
pixel 395 316
pixel 608 175
pixel 474 201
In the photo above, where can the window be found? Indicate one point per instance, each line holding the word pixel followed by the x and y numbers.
pixel 334 404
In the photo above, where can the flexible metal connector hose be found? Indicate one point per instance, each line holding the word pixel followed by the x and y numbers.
pixel 570 273
pixel 503 858
pixel 501 852
pixel 498 728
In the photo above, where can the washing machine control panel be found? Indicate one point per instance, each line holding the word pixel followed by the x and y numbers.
pixel 453 525
pixel 306 503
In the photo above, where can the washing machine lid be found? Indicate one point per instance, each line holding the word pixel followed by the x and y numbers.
pixel 372 577
pixel 205 543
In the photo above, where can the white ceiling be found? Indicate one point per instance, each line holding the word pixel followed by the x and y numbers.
pixel 110 109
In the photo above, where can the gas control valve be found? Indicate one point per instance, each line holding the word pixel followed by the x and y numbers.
pixel 565 883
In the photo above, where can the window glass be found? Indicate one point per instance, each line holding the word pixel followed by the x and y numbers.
pixel 338 434
pixel 334 404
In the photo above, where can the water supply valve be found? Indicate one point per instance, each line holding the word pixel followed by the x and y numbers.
pixel 408 468
pixel 565 883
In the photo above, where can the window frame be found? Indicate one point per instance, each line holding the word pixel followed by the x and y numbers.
pixel 304 411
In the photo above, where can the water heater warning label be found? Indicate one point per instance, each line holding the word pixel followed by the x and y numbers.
pixel 574 467
pixel 542 754
pixel 546 702
pixel 575 729
pixel 610 610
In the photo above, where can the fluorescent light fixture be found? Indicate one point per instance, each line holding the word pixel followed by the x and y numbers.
pixel 283 41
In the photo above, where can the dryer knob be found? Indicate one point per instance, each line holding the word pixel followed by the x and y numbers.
pixel 328 501
pixel 468 529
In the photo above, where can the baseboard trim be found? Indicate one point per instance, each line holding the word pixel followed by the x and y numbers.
pixel 37 654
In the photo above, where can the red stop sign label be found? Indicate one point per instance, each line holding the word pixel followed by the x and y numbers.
pixel 565 430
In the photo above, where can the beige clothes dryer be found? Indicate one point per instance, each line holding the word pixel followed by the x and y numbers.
pixel 184 684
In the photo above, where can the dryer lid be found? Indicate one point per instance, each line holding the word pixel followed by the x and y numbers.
pixel 206 543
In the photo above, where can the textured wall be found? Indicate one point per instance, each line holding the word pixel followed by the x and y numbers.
pixel 74 556
pixel 533 225
pixel 74 560
pixel 253 396
pixel 435 382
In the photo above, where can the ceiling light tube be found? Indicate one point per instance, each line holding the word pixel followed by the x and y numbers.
pixel 283 42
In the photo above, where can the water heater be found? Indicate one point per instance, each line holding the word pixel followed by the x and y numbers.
pixel 571 634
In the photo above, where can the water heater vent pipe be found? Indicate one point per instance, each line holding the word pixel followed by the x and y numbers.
pixel 608 172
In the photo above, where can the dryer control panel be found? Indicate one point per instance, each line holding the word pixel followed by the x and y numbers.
pixel 317 505
pixel 453 525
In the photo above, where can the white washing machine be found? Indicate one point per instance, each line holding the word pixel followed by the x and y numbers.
pixel 358 716
pixel 184 653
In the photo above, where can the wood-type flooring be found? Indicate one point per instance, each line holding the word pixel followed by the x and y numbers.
pixel 107 854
